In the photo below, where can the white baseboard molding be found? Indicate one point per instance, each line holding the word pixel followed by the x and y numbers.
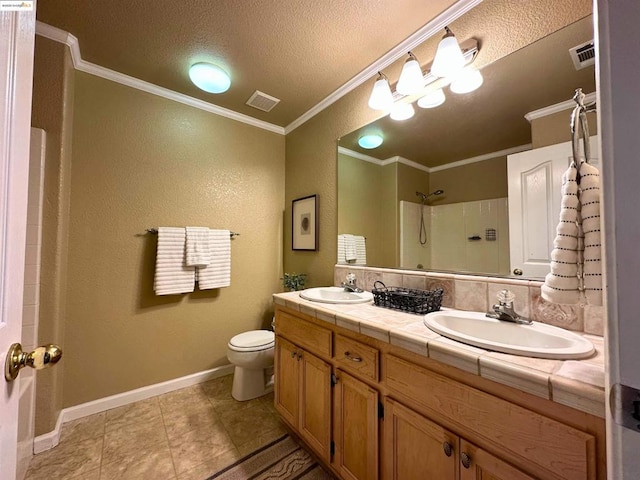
pixel 49 440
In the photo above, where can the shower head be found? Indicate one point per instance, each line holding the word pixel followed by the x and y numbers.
pixel 424 197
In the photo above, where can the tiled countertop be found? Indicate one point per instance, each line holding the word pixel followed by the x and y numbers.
pixel 576 383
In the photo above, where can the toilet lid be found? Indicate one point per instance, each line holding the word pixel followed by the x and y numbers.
pixel 256 339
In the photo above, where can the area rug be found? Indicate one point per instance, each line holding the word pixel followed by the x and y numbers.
pixel 282 459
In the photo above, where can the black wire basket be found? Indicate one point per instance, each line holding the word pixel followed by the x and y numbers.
pixel 407 300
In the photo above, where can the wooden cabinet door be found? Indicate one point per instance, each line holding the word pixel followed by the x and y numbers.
pixel 286 366
pixel 415 448
pixel 478 464
pixel 315 403
pixel 355 429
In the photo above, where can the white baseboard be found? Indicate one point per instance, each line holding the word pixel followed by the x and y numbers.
pixel 49 440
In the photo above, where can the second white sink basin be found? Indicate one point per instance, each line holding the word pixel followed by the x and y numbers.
pixel 335 295
pixel 536 340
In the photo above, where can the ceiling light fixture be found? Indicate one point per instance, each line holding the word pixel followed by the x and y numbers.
pixel 402 111
pixel 411 79
pixel 209 77
pixel 467 81
pixel 381 97
pixel 449 59
pixel 432 99
pixel 370 141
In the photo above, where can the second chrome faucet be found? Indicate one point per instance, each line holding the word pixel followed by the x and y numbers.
pixel 503 310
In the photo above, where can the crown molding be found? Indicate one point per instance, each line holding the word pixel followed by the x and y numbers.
pixel 481 158
pixel 406 161
pixel 558 107
pixel 438 23
pixel 60 36
pixel 358 155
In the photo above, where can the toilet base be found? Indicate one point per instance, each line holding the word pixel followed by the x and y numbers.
pixel 250 383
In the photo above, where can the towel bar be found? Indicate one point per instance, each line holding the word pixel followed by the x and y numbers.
pixel 154 231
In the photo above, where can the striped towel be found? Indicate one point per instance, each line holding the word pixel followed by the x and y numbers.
pixel 590 213
pixel 172 275
pixel 198 252
pixel 218 273
pixel 360 250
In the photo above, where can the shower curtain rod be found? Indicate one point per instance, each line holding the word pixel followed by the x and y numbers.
pixel 154 231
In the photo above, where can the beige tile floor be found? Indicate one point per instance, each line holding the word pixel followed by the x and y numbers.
pixel 187 434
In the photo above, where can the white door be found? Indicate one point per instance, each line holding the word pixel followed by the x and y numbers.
pixel 535 181
pixel 17 32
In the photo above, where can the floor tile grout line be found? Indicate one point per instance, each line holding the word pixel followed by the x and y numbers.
pixel 166 436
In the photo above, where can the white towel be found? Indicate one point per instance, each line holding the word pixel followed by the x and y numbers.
pixel 590 213
pixel 218 273
pixel 360 250
pixel 350 254
pixel 198 251
pixel 172 275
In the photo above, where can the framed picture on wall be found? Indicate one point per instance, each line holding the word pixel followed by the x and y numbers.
pixel 304 223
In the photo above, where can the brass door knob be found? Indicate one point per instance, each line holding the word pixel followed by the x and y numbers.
pixel 42 357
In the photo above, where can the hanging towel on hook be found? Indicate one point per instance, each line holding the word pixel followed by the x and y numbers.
pixel 590 214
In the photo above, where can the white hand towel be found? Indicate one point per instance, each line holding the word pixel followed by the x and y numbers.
pixel 341 251
pixel 361 250
pixel 198 251
pixel 350 253
pixel 590 213
pixel 172 275
pixel 562 284
pixel 218 273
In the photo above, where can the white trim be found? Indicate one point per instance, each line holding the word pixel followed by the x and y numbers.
pixel 558 107
pixel 438 23
pixel 49 440
pixel 482 158
pixel 418 166
pixel 61 36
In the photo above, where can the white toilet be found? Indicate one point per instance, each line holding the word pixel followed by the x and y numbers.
pixel 252 354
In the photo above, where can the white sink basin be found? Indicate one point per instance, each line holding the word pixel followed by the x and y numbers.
pixel 335 295
pixel 535 340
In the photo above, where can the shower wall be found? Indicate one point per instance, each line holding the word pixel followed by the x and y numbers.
pixel 459 236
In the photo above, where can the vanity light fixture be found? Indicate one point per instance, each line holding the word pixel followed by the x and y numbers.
pixel 432 99
pixel 449 59
pixel 381 97
pixel 411 79
pixel 467 81
pixel 209 77
pixel 370 141
pixel 402 111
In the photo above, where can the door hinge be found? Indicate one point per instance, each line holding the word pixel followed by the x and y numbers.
pixel 332 448
pixel 334 380
pixel 625 406
pixel 380 410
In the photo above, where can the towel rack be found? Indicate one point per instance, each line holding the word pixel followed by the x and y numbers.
pixel 154 231
pixel 579 122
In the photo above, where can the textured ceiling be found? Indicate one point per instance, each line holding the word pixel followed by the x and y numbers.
pixel 299 51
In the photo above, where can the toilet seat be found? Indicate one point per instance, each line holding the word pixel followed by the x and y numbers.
pixel 252 341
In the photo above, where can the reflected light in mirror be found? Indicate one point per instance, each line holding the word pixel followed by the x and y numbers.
pixel 411 78
pixel 381 97
pixel 370 141
pixel 449 59
pixel 432 99
pixel 469 80
pixel 402 111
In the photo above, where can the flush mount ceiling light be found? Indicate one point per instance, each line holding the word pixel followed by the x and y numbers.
pixel 370 141
pixel 449 59
pixel 402 111
pixel 432 99
pixel 411 79
pixel 209 77
pixel 467 81
pixel 381 97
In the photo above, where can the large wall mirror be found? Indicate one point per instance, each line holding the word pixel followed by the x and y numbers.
pixel 434 195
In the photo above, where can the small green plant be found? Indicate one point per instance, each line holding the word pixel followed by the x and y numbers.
pixel 293 281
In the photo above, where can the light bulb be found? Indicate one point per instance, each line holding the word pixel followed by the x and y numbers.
pixel 467 81
pixel 209 77
pixel 432 99
pixel 402 111
pixel 381 97
pixel 411 79
pixel 449 59
pixel 370 141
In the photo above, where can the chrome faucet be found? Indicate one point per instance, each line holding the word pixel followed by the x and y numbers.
pixel 504 311
pixel 350 284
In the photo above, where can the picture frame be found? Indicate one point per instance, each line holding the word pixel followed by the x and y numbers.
pixel 304 223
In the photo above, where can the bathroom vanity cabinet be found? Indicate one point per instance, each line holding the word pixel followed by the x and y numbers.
pixel 373 410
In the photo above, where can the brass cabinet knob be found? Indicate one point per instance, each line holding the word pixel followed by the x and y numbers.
pixel 42 357
pixel 448 448
pixel 517 271
pixel 465 460
pixel 353 358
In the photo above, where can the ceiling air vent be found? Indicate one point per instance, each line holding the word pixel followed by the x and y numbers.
pixel 262 101
pixel 583 55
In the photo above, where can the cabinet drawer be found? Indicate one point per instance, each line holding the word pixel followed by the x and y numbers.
pixel 558 450
pixel 304 334
pixel 356 357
